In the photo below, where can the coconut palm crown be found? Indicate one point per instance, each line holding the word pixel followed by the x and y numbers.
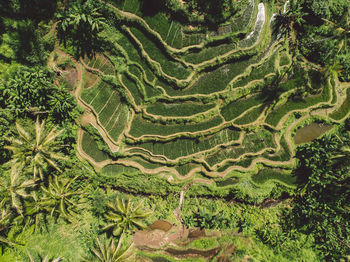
pixel 35 151
pixel 124 216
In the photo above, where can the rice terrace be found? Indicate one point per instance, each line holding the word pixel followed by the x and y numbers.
pixel 174 130
pixel 183 105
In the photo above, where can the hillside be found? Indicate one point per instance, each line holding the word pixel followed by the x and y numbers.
pixel 174 131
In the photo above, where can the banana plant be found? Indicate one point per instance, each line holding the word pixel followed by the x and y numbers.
pixel 124 216
pixel 333 70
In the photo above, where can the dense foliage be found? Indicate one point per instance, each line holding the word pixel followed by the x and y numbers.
pixel 323 36
pixel 321 207
pixel 80 24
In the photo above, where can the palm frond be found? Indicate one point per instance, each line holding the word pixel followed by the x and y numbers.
pixel 24 134
pixel 52 136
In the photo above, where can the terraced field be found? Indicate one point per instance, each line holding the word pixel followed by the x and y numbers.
pixel 218 108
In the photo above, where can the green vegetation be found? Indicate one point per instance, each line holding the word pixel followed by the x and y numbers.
pixel 146 130
pixel 344 109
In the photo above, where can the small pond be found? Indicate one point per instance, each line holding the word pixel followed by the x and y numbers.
pixel 310 132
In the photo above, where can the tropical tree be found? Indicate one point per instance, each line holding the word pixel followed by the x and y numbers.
pixel 45 259
pixel 321 205
pixel 124 216
pixel 57 197
pixel 62 104
pixel 342 32
pixel 6 216
pixel 109 251
pixel 17 187
pixel 291 17
pixel 332 70
pixel 35 212
pixel 80 24
pixel 24 88
pixel 35 151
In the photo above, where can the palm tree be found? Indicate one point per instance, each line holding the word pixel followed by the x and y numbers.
pixel 35 213
pixel 332 70
pixel 342 32
pixel 5 221
pixel 109 251
pixel 123 216
pixel 35 151
pixel 57 196
pixel 45 259
pixel 17 188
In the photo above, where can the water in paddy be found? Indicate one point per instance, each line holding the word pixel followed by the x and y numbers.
pixel 310 132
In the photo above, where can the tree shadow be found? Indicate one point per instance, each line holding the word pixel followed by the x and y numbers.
pixel 152 7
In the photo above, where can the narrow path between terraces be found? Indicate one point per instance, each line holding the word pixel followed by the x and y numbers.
pixel 178 210
pixel 88 117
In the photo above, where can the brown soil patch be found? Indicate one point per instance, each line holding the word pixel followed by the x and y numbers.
pixel 87 118
pixel 155 239
pixel 161 225
pixel 226 254
pixel 191 252
pixel 90 79
pixel 70 75
pixel 196 233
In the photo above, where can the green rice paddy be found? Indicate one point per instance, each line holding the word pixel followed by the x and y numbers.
pixel 200 111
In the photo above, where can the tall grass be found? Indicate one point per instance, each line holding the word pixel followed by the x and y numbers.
pixel 169 30
pixel 132 87
pixel 209 53
pixel 134 56
pixel 132 6
pixel 117 126
pixel 258 72
pixel 217 79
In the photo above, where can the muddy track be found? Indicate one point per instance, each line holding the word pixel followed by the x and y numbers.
pixel 178 210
